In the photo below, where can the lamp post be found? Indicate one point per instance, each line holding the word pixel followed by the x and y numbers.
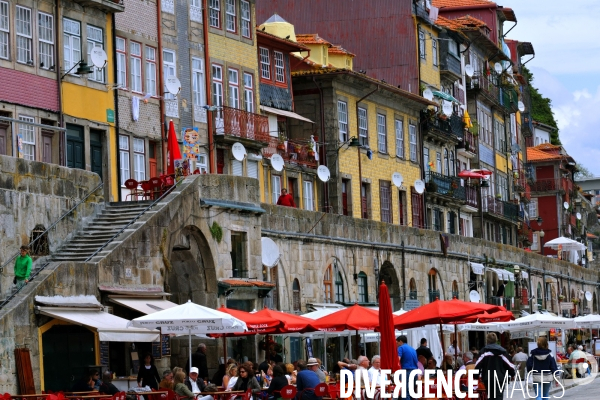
pixel 542 234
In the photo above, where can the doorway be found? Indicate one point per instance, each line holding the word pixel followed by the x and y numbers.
pixel 75 148
pixel 96 151
pixel 3 137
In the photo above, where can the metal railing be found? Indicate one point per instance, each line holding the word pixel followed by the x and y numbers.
pixel 469 142
pixel 545 185
pixel 445 185
pixel 526 124
pixel 471 195
pixel 235 122
pixel 296 152
pixel 450 63
pixel 509 99
pixel 486 83
pixel 165 194
pixel 434 295
pixel 501 208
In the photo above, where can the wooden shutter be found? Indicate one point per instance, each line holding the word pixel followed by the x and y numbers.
pixel 24 371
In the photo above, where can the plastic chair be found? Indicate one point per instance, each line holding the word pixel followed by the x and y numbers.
pixel 132 185
pixel 156 186
pixel 288 392
pixel 321 390
pixel 146 190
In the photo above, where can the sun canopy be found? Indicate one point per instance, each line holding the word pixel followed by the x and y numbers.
pixel 289 322
pixel 565 243
pixel 285 113
pixel 477 268
pixel 537 321
pixel 144 305
pixel 352 318
pixel 110 327
pixel 444 96
pixel 257 324
pixel 588 321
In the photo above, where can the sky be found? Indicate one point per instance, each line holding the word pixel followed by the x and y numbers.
pixel 566 67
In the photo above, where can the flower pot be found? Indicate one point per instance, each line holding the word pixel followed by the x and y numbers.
pixel 281 146
pixel 310 153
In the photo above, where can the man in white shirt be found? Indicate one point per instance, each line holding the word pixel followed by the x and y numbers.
pixel 196 385
pixel 375 370
pixel 520 359
pixel 453 349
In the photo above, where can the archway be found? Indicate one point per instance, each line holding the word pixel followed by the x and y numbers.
pixel 436 290
pixel 388 274
pixel 192 275
pixel 334 283
pixel 412 289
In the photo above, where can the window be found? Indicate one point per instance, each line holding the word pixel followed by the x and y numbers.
pixel 121 63
pixel 328 285
pixel 452 171
pixel 385 198
pixel 214 13
pixel 438 162
pixel 412 137
pixel 446 163
pixel 71 42
pixel 402 207
pixel 27 136
pixel 168 70
pixel 4 30
pixel 196 11
pixel 426 161
pixel 296 296
pixel 237 168
pixel 422 44
pixel 399 138
pixel 363 133
pixel 275 188
pixel 438 217
pixel 135 65
pixel 417 208
pixel 95 38
pixel 238 255
pixel 245 6
pixel 307 195
pixel 339 287
pixel 217 86
pixel 45 40
pixel 381 134
pixel 230 15
pixel 434 51
pixel 252 168
pixel 279 67
pixel 452 47
pixel 24 35
pixel 533 208
pixel 124 157
pixel 343 120
pixel 201 163
pixel 248 92
pixel 139 160
pixel 150 70
pixel 451 223
pixel 345 196
pixel 365 200
pixel 198 92
pixel 234 89
pixel 265 64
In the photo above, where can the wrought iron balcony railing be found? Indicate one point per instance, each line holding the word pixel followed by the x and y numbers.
pixel 445 185
pixel 471 195
pixel 501 208
pixel 235 122
pixel 295 152
pixel 545 185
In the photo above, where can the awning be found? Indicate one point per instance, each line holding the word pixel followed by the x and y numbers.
pixel 143 305
pixel 289 114
pixel 504 274
pixel 477 268
pixel 444 96
pixel 110 327
pixel 524 275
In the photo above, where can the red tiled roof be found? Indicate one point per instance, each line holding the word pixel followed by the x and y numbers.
pixel 591 236
pixel 286 42
pixel 461 3
pixel 538 154
pixel 247 283
pixel 334 49
pixel 311 38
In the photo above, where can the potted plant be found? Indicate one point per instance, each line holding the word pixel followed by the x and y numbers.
pixel 310 151
pixel 561 297
pixel 474 129
pixel 498 196
pixel 297 148
pixel 282 138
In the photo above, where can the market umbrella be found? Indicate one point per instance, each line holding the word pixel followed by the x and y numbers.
pixel 355 318
pixel 389 354
pixel 257 324
pixel 537 321
pixel 289 322
pixel 565 243
pixel 172 148
pixel 192 319
pixel 482 171
pixel 470 174
pixel 588 321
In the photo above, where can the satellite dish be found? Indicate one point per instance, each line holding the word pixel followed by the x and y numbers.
pixel 270 252
pixel 515 148
pixel 447 108
pixel 239 151
pixel 323 173
pixel 578 215
pixel 397 179
pixel 469 70
pixel 173 85
pixel 521 106
pixel 474 296
pixel 419 186
pixel 588 296
pixel 498 68
pixel 566 205
pixel 277 162
pixel 428 94
pixel 98 57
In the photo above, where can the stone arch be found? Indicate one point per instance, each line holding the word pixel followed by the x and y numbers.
pixel 192 275
pixel 435 285
pixel 296 296
pixel 455 291
pixel 328 274
pixel 388 274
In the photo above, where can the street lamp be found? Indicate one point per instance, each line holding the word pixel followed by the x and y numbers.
pixel 542 234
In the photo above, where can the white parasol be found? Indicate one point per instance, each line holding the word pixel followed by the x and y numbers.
pixel 565 243
pixel 536 321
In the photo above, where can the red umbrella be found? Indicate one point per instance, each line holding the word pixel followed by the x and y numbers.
pixel 173 149
pixel 257 324
pixel 498 316
pixel 354 318
pixel 442 312
pixel 470 174
pixel 388 351
pixel 482 171
pixel 290 322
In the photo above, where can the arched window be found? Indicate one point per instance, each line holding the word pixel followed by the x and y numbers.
pixel 328 285
pixel 332 277
pixel 296 296
pixel 434 293
pixel 454 289
pixel 412 285
pixel 339 288
pixel 540 296
pixel 363 296
pixel 446 164
pixel 452 164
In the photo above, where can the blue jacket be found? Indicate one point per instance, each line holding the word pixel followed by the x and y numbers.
pixel 541 360
pixel 408 357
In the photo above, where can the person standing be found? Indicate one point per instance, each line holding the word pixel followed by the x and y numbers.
pixel 148 374
pixel 542 365
pixel 286 199
pixel 22 268
pixel 408 358
pixel 494 366
pixel 199 361
pixel 453 349
pixel 423 350
pixel 520 359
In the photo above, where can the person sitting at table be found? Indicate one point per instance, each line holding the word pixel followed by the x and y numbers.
pixel 291 373
pixel 217 378
pixel 421 363
pixel 148 374
pixel 107 386
pixel 196 385
pixel 447 363
pixel 306 379
pixel 246 380
pixel 278 382
pixel 230 377
pixel 167 380
pixel 85 384
pixel 313 365
pixel 375 371
pixel 431 364
pixel 180 387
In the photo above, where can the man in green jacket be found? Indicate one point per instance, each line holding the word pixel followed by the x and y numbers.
pixel 22 268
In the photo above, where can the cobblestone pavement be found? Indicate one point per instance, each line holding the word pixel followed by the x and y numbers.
pixel 572 391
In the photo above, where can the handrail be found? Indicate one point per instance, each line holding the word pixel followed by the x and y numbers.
pixel 33 275
pixel 168 191
pixel 53 225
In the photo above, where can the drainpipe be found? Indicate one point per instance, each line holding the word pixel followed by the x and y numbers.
pixel 62 141
pixel 207 69
pixel 403 274
pixel 117 126
pixel 530 290
pixel 161 85
pixel 569 288
pixel 358 151
pixel 322 105
pixel 544 287
pixel 485 263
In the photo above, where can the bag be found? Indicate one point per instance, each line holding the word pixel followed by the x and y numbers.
pixel 15 280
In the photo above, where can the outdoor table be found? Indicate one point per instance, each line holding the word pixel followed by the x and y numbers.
pixel 92 396
pixel 27 396
pixel 224 393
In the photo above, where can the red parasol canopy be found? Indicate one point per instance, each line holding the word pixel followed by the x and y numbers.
pixel 484 171
pixel 173 149
pixel 388 351
pixel 257 324
pixel 498 316
pixel 352 318
pixel 290 322
pixel 470 174
pixel 442 312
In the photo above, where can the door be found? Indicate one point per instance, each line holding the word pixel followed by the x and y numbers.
pixel 152 159
pixel 3 137
pixel 96 151
pixel 75 149
pixel 47 146
pixel 68 352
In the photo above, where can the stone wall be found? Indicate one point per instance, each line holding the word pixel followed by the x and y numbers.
pixel 35 193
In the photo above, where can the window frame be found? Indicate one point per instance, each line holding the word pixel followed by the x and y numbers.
pixel 150 63
pixel 125 173
pixel 169 66
pixel 4 30
pixel 382 145
pixel 275 188
pixel 27 129
pixel 248 92
pixel 98 74
pixel 342 107
pixel 399 137
pixel 71 50
pixel 45 42
pixel 363 292
pixel 279 69
pixel 26 38
pixel 339 295
pixel 308 196
pixel 198 83
pixel 328 285
pixel 363 126
pixel 230 17
pixel 422 53
pixel 246 23
pixel 434 52
pixel 217 82
pixel 214 13
pixel 265 63
pixel 196 11
pixel 233 87
pixel 121 58
pixel 137 59
pixel 412 139
pixel 139 173
pixel 385 202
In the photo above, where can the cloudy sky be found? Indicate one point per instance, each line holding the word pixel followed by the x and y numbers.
pixel 566 67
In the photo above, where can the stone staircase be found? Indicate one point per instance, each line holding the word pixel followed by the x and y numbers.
pixel 108 223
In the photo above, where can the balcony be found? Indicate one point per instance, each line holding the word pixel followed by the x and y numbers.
pixel 108 6
pixel 468 148
pixel 296 151
pixel 445 185
pixel 509 99
pixel 486 86
pixel 545 185
pixel 442 129
pixel 499 208
pixel 471 196
pixel 242 124
pixel 450 65
pixel 527 125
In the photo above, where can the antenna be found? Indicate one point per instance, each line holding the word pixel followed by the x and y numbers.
pixel 270 252
pixel 428 94
pixel 397 179
pixel 419 186
pixel 447 108
pixel 98 57
pixel 173 85
pixel 474 296
pixel 498 68
pixel 521 106
pixel 469 70
pixel 277 162
pixel 239 151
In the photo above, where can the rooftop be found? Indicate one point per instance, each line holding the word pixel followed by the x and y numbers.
pixel 311 38
pixel 461 3
pixel 334 49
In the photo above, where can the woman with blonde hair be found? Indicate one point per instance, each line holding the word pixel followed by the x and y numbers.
pixel 231 376
pixel 179 386
pixel 290 373
pixel 542 365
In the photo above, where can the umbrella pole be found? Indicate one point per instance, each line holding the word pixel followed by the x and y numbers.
pixel 455 338
pixel 349 345
pixel 190 344
pixel 442 340
pixel 357 348
pixel 225 350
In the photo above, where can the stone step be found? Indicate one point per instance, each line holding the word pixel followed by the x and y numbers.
pixel 130 204
pixel 116 213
